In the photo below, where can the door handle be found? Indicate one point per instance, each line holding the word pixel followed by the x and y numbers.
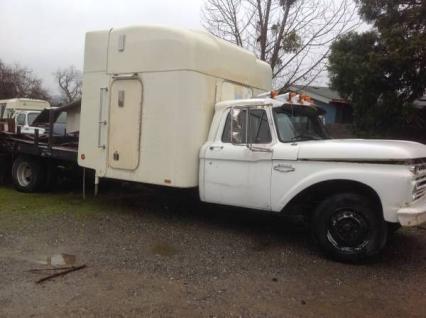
pixel 216 147
pixel 100 121
pixel 284 168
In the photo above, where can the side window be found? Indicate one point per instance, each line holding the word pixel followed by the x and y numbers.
pixel 32 117
pixel 20 120
pixel 2 110
pixel 9 113
pixel 258 127
pixel 259 132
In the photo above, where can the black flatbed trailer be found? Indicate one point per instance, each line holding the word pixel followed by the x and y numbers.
pixel 14 144
pixel 33 160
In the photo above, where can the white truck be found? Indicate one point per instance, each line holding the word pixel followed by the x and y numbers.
pixel 24 120
pixel 184 109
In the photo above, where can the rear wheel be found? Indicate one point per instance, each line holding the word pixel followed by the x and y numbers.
pixel 349 227
pixel 28 174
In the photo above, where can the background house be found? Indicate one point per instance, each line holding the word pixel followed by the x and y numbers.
pixel 338 110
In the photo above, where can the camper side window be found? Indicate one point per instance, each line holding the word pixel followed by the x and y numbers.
pixel 258 127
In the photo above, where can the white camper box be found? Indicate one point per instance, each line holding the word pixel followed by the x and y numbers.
pixel 148 100
pixel 10 106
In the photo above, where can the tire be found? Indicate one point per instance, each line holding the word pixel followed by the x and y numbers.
pixel 28 174
pixel 349 227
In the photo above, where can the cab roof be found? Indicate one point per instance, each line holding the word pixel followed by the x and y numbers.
pixel 277 101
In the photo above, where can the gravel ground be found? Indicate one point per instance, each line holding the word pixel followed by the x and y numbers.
pixel 151 253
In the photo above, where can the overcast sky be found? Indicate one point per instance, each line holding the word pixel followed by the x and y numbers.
pixel 46 34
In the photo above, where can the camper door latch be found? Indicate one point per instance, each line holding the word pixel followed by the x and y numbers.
pixel 102 122
pixel 116 156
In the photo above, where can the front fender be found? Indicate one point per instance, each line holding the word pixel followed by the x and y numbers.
pixel 392 183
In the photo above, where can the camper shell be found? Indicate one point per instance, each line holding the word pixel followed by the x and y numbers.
pixel 149 94
pixel 8 107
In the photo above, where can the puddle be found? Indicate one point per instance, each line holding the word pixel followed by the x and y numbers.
pixel 61 260
pixel 164 249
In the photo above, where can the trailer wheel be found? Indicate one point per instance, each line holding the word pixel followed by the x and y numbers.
pixel 28 174
pixel 349 228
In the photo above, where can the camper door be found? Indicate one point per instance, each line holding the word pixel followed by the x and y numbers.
pixel 125 123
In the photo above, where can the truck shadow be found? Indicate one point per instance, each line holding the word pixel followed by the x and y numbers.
pixel 265 230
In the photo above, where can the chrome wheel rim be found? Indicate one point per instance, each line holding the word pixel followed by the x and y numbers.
pixel 24 174
pixel 348 230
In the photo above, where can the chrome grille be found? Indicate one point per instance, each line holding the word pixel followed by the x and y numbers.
pixel 420 181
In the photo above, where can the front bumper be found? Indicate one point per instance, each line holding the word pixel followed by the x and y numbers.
pixel 414 214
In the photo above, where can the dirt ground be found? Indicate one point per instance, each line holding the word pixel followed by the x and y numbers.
pixel 151 253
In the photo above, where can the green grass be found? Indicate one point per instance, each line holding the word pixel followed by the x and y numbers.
pixel 18 209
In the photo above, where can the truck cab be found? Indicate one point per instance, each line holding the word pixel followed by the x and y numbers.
pixel 274 154
pixel 25 119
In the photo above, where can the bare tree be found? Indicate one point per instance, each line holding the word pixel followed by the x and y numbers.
pixel 293 36
pixel 70 82
pixel 17 81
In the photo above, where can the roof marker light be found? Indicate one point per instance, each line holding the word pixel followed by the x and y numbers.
pixel 274 94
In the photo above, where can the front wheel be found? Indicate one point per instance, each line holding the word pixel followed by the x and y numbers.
pixel 348 227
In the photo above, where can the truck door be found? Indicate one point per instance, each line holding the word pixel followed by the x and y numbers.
pixel 238 172
pixel 125 123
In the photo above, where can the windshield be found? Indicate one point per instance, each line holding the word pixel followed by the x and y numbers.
pixel 298 125
pixel 31 117
pixel 62 119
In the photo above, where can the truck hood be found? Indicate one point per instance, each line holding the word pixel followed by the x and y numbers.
pixel 360 149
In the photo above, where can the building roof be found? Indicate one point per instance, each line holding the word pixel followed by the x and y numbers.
pixel 319 93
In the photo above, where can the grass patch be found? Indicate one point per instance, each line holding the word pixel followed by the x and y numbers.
pixel 18 209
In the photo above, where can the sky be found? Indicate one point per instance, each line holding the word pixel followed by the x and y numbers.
pixel 45 35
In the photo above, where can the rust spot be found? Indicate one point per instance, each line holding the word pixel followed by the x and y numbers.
pixel 167 181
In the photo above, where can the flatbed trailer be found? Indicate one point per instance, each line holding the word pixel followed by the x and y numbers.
pixel 15 145
pixel 32 160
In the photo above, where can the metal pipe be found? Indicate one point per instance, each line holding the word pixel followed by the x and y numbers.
pixel 96 185
pixel 84 183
